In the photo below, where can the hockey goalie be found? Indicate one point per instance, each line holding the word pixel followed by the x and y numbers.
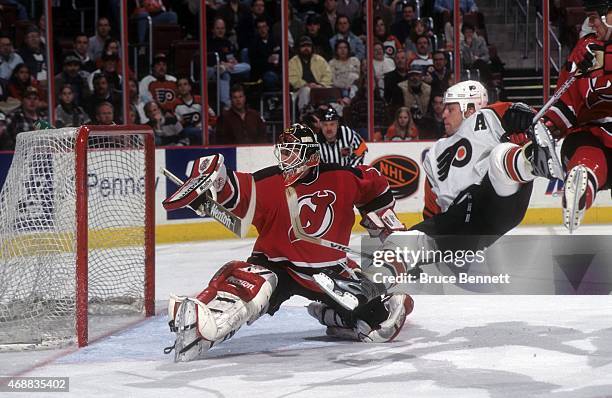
pixel 282 265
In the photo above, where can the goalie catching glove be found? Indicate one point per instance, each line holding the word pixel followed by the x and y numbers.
pixel 378 322
pixel 207 177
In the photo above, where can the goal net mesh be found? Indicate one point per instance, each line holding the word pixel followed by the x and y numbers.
pixel 38 240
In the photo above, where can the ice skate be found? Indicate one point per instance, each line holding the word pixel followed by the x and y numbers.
pixel 578 194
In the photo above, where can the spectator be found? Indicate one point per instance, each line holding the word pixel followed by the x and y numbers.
pixel 20 80
pixel 343 31
pixel 391 45
pixel 419 29
pixel 158 13
pixel 422 58
pixel 344 70
pixel 105 114
pixel 25 116
pixel 166 127
pixel 431 127
pixel 416 92
pixel 393 94
pixel 296 30
pixel 6 141
pixel 446 7
pixel 109 69
pixel 265 56
pixel 328 18
pixel 339 143
pixel 158 86
pixel 96 42
pixel 474 52
pixel 440 75
pixel 239 124
pixel 382 10
pixel 382 66
pixel 350 8
pixel 67 112
pixel 102 92
pixel 9 59
pixel 70 75
pixel 111 47
pixel 135 101
pixel 229 62
pixel 307 71
pixel 403 127
pixel 80 49
pixel 401 29
pixel 33 54
pixel 320 43
pixel 232 13
pixel 246 27
pixel 22 13
pixel 188 111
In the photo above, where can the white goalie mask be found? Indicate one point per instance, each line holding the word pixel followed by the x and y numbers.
pixel 469 92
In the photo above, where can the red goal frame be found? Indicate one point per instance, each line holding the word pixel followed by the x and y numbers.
pixel 81 149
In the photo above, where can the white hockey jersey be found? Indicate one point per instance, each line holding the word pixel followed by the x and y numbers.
pixel 452 164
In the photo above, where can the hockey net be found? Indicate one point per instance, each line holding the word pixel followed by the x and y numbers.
pixel 76 233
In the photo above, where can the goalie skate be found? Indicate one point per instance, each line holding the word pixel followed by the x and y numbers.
pixel 349 293
pixel 575 197
pixel 189 345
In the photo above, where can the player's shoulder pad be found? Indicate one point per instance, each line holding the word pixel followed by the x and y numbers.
pixel 266 173
pixel 329 167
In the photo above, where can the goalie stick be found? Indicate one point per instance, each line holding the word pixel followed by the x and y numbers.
pixel 209 206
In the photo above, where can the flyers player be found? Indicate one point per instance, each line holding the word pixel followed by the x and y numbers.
pixel 470 200
pixel 280 265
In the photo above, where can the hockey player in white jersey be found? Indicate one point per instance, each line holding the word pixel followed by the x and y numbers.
pixel 477 188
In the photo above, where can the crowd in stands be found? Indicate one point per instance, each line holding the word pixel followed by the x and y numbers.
pixel 327 65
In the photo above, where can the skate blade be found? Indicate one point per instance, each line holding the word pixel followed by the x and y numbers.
pixel 575 189
pixel 345 299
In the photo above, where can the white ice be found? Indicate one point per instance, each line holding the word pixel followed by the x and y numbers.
pixel 464 345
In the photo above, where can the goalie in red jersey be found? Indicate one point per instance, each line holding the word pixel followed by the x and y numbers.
pixel 281 265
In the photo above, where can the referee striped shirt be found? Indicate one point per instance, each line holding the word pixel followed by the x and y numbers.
pixel 348 149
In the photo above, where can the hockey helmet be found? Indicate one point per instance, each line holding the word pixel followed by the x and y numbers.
pixel 330 115
pixel 297 150
pixel 601 8
pixel 469 92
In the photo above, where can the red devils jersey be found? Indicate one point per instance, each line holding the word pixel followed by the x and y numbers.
pixel 326 204
pixel 588 101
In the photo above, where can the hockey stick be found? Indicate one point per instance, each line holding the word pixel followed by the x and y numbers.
pixel 238 226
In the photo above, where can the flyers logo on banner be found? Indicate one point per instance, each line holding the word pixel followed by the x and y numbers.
pixel 401 172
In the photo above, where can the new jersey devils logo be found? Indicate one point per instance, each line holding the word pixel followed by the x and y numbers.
pixel 600 90
pixel 457 155
pixel 316 213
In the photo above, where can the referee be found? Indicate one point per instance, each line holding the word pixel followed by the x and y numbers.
pixel 340 144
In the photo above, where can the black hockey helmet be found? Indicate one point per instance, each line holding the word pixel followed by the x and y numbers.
pixel 297 150
pixel 330 115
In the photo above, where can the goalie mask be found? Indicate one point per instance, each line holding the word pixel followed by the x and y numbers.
pixel 297 151
pixel 469 92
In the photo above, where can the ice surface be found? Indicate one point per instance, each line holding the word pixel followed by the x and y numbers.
pixel 476 346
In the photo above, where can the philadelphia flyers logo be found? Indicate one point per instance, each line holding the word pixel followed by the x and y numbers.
pixel 600 90
pixel 316 213
pixel 457 155
pixel 164 95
